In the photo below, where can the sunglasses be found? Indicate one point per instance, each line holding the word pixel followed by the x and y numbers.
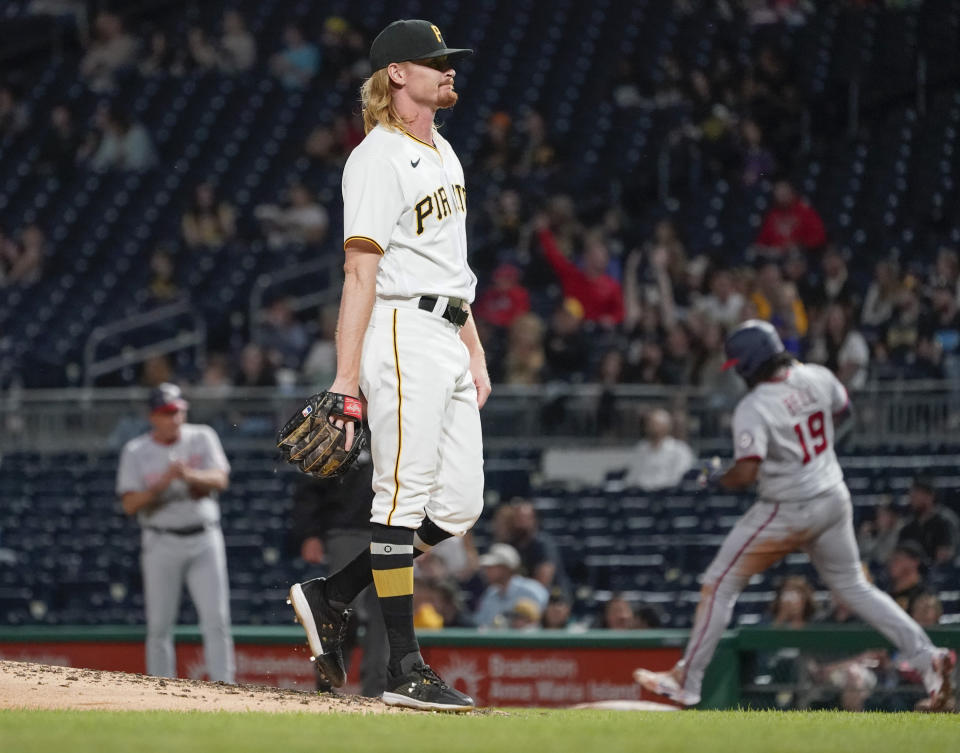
pixel 441 63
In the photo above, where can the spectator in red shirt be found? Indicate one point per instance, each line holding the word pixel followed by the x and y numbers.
pixel 791 223
pixel 598 293
pixel 506 300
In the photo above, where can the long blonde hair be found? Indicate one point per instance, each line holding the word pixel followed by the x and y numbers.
pixel 376 98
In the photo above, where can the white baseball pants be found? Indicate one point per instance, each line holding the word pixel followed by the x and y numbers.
pixel 424 421
pixel 822 527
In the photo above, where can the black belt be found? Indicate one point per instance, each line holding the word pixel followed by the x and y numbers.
pixel 453 314
pixel 191 531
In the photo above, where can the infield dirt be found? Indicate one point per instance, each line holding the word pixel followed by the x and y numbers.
pixel 41 686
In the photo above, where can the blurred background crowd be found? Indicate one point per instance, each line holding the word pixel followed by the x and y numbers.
pixel 632 280
pixel 521 581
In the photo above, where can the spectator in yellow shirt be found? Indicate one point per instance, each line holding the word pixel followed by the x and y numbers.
pixel 778 303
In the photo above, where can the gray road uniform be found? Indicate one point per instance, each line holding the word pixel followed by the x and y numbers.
pixel 181 543
pixel 787 425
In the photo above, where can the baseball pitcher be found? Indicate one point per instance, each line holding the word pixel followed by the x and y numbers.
pixel 406 339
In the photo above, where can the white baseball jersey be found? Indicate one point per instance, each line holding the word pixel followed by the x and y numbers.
pixel 788 424
pixel 408 198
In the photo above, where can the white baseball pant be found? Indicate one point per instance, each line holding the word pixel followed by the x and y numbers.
pixel 822 527
pixel 424 421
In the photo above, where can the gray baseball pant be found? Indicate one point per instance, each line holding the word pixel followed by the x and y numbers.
pixel 200 560
pixel 822 527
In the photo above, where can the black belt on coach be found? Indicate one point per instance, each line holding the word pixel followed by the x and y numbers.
pixel 454 314
pixel 190 531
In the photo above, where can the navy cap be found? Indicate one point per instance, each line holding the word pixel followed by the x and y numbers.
pixel 167 398
pixel 750 346
pixel 411 39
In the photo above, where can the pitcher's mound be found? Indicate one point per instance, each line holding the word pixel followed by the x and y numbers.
pixel 40 686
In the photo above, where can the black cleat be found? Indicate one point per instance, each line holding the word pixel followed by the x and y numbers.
pixel 325 627
pixel 422 688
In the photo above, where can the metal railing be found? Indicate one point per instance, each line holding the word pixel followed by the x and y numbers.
pixel 96 420
pixel 328 293
pixel 184 339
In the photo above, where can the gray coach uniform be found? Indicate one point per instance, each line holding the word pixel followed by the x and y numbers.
pixel 181 542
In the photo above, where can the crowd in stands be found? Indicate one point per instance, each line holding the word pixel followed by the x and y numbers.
pixel 113 51
pixel 903 326
pixel 666 313
pixel 520 581
pixel 568 292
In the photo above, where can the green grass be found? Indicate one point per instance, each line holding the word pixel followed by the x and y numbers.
pixel 524 731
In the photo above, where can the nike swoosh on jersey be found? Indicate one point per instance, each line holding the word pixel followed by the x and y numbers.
pixel 414 164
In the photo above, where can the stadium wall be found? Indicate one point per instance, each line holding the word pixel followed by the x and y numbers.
pixel 506 668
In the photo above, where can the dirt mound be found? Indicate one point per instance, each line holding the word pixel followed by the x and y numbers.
pixel 41 686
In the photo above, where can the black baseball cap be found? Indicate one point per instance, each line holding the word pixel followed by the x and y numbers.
pixel 167 398
pixel 411 39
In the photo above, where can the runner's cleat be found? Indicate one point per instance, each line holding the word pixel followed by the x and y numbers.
pixel 942 699
pixel 665 684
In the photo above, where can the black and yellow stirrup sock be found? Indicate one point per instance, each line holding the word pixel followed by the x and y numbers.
pixel 391 561
pixel 347 583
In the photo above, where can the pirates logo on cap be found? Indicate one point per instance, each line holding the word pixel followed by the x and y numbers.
pixel 436 31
